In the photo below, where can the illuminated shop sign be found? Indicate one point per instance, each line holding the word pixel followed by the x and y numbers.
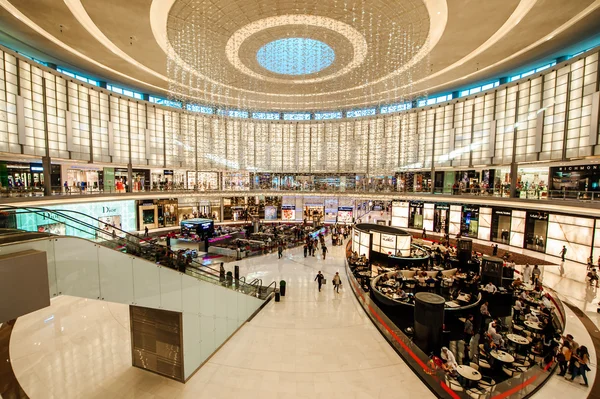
pixel 577 168
pixel 538 215
pixel 345 208
pixel 442 207
pixel 288 207
pixel 502 212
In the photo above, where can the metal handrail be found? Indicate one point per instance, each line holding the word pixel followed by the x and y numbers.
pixel 130 240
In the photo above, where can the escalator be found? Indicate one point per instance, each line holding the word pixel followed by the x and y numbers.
pixel 119 267
pixel 85 226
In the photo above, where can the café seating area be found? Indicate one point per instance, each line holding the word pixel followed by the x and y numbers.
pixel 510 348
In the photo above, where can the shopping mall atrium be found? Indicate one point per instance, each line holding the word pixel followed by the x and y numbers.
pixel 299 199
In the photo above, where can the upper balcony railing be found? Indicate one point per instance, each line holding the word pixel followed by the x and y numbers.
pixel 496 192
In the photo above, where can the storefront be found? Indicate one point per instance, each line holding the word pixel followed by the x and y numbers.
pixel 81 178
pixel 157 213
pixel 501 222
pixel 533 182
pixel 105 216
pixel 28 175
pixel 469 225
pixel 202 181
pixel 415 215
pixel 575 178
pixel 536 230
pixel 288 212
pixel 440 218
pixel 314 209
pixel 167 179
pixel 345 215
pixel 236 181
pixel 140 182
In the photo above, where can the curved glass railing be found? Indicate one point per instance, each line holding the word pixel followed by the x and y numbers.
pixel 498 192
pixel 84 226
pixel 525 382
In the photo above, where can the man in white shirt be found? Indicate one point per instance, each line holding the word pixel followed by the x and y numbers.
pixel 532 318
pixel 491 288
pixel 492 328
pixel 448 356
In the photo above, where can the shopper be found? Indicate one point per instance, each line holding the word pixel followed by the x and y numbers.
pixel 469 332
pixel 527 274
pixel 563 357
pixel 535 275
pixel 305 250
pixel 325 250
pixel 337 281
pixel 145 231
pixel 581 365
pixel 320 279
pixel 563 252
pixel 280 251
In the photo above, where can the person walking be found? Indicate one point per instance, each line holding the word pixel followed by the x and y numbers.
pixel 325 250
pixel 535 275
pixel 563 252
pixel 563 357
pixel 280 251
pixel 145 231
pixel 494 249
pixel 581 365
pixel 469 331
pixel 320 279
pixel 337 281
pixel 305 250
pixel 527 273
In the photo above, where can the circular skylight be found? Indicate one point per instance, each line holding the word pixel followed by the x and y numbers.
pixel 295 56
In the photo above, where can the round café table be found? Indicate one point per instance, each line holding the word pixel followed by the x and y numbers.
pixel 517 339
pixel 468 373
pixel 533 325
pixel 502 356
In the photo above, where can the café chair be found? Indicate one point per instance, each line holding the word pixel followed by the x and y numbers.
pixel 522 365
pixel 477 392
pixel 511 371
pixel 487 384
pixel 474 365
pixel 484 365
pixel 453 383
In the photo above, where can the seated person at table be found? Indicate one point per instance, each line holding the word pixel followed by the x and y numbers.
pixel 491 288
pixel 383 279
pixel 530 317
pixel 497 340
pixel 517 283
pixel 401 293
pixel 546 302
pixel 524 296
pixel 430 280
pixel 450 363
pixel 518 308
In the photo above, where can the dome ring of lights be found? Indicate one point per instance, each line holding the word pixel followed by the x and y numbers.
pixel 357 40
pixel 295 56
pixel 343 49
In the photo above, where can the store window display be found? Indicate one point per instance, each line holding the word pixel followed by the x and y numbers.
pixel 501 221
pixel 536 230
pixel 469 225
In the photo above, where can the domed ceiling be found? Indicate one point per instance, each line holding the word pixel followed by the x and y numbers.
pixel 295 54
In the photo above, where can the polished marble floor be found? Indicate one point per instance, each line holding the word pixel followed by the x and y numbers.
pixel 310 345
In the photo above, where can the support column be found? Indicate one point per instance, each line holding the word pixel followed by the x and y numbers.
pixel 47 166
pixel 221 218
pixel 514 174
pixel 129 178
